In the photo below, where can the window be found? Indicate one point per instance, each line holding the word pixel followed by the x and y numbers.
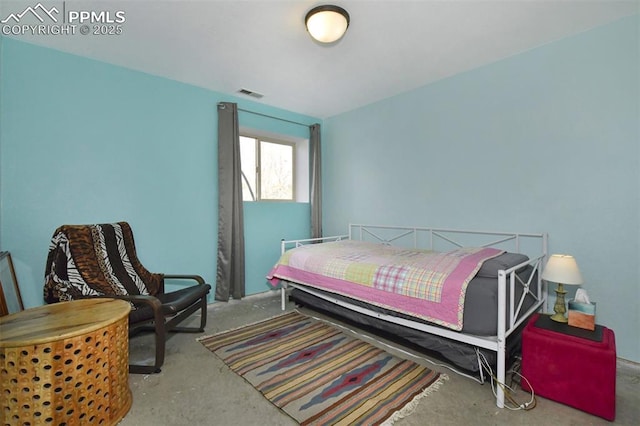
pixel 268 169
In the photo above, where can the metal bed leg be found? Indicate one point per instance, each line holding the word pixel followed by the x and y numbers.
pixel 283 296
pixel 502 338
pixel 501 374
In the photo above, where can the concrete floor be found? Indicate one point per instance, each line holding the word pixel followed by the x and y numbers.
pixel 196 388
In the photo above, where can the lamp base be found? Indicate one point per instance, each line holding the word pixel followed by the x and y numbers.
pixel 559 308
pixel 558 317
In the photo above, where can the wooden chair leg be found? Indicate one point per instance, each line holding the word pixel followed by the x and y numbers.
pixel 203 314
pixel 161 328
pixel 160 341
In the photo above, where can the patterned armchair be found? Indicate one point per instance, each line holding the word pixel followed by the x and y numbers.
pixel 101 261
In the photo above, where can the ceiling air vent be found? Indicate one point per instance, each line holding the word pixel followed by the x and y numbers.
pixel 251 93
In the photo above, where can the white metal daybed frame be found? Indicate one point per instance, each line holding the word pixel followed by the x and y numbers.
pixel 508 321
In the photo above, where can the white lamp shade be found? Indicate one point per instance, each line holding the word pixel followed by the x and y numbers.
pixel 327 23
pixel 562 269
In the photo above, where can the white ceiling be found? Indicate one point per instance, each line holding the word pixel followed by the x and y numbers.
pixel 391 46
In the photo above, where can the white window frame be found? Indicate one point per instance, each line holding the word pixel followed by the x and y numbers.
pixel 300 162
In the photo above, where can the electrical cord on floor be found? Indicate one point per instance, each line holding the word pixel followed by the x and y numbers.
pixel 508 390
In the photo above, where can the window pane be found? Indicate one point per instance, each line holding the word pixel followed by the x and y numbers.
pixel 276 165
pixel 248 160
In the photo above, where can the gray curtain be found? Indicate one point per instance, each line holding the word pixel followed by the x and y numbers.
pixel 230 271
pixel 316 181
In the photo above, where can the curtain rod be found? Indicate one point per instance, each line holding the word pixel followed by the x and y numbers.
pixel 275 118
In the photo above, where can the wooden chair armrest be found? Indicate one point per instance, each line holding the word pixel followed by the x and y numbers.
pixel 152 301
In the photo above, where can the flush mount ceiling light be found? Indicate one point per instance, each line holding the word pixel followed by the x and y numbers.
pixel 327 23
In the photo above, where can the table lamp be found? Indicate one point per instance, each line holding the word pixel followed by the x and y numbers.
pixel 561 269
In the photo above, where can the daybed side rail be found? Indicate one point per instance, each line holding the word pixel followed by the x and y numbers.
pixel 508 324
pixel 285 244
pixel 533 286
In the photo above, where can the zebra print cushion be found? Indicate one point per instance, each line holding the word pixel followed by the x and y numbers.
pixel 95 260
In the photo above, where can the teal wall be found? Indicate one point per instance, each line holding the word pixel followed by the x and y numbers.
pixel 545 141
pixel 86 142
pixel 267 223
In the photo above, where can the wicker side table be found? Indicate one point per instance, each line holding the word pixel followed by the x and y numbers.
pixel 65 364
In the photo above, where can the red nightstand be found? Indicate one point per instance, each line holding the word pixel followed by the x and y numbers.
pixel 573 370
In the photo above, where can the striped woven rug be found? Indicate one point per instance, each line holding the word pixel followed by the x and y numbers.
pixel 321 376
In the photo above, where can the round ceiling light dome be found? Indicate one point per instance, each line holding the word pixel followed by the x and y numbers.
pixel 327 23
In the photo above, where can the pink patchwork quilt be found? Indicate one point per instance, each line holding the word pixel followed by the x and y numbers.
pixel 425 284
